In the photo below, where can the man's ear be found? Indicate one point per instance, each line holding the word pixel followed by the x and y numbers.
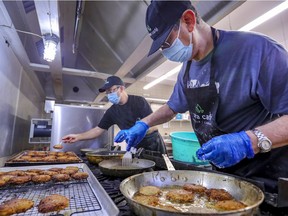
pixel 189 18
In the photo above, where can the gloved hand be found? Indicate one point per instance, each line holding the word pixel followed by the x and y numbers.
pixel 133 135
pixel 226 150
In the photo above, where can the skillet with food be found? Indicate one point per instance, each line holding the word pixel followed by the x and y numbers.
pixel 242 191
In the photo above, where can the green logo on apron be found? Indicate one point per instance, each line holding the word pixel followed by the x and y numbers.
pixel 199 109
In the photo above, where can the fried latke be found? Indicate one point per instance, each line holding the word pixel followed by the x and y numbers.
pixel 41 178
pixel 150 191
pixel 180 196
pixel 72 167
pixel 48 172
pixel 68 171
pixel 19 205
pixel 3 173
pixel 26 157
pixel 54 202
pixel 49 158
pixel 17 173
pixel 2 183
pixel 195 188
pixel 218 194
pixel 56 169
pixel 228 205
pixel 80 175
pixel 146 200
pixel 20 179
pixel 34 170
pixel 7 177
pixel 61 177
pixel 6 210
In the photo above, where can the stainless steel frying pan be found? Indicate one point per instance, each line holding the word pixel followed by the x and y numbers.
pixel 243 191
pixel 114 167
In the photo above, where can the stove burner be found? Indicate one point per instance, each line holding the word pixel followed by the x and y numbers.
pixel 111 185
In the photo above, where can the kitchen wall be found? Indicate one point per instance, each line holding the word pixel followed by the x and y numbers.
pixel 19 102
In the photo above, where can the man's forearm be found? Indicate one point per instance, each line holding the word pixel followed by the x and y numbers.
pixel 276 131
pixel 91 134
pixel 160 116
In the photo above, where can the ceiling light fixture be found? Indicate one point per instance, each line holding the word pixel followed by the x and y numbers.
pixel 50 46
pixel 268 15
pixel 165 76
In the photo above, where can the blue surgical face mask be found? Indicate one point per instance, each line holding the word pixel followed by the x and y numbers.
pixel 113 97
pixel 178 52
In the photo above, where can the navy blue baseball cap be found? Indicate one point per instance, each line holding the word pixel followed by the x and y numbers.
pixel 111 81
pixel 161 16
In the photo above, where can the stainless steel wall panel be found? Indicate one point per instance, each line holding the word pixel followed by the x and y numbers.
pixel 69 119
pixel 19 101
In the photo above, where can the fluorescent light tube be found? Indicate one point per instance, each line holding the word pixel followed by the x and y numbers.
pixel 156 99
pixel 165 76
pixel 268 15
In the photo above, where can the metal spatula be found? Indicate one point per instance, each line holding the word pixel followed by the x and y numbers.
pixel 127 157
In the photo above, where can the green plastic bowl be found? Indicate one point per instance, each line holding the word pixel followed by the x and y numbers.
pixel 184 146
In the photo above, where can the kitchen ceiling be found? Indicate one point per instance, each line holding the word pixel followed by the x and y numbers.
pixel 97 39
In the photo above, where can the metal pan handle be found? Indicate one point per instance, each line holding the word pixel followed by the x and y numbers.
pixel 168 162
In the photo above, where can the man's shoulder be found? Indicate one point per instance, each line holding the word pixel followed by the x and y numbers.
pixel 137 97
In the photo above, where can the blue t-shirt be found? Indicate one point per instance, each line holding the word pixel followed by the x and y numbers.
pixel 251 75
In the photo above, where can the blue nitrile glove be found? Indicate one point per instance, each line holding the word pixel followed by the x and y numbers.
pixel 226 150
pixel 133 135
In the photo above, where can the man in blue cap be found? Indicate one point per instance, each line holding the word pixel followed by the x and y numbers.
pixel 125 112
pixel 234 85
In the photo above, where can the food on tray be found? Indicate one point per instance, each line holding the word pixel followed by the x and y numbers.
pixel 218 194
pixel 20 179
pixel 228 205
pixel 61 177
pixel 17 173
pixel 6 178
pixel 72 167
pixel 41 178
pixel 48 172
pixel 2 183
pixel 187 198
pixel 56 174
pixel 80 175
pixel 45 156
pixel 180 196
pixel 55 169
pixel 68 171
pixel 34 170
pixel 54 202
pixel 15 206
pixel 51 158
pixel 150 190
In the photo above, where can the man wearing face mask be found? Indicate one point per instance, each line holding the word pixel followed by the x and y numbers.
pixel 234 85
pixel 125 112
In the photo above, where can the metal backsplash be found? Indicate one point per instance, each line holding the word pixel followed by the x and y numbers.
pixel 69 119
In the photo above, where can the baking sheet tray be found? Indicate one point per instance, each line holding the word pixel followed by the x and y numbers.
pixel 87 197
pixel 12 161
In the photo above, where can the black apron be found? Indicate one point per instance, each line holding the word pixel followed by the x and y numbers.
pixel 153 142
pixel 203 104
